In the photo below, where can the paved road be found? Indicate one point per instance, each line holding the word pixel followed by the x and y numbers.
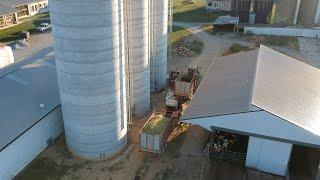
pixel 37 43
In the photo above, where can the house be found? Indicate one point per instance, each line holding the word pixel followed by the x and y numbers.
pixel 8 15
pixel 284 12
pixel 218 5
pixel 271 99
pixel 31 116
pixel 13 10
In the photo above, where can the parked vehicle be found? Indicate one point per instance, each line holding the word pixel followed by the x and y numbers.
pixel 154 134
pixel 44 27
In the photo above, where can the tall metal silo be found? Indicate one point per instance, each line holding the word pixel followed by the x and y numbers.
pixel 137 51
pixel 159 43
pixel 89 50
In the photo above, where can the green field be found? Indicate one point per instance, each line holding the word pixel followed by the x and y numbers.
pixel 194 12
pixel 280 41
pixel 12 33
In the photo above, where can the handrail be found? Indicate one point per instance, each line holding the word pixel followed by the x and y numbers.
pixel 229 156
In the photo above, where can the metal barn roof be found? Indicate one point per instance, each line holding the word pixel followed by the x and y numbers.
pixel 6 9
pixel 27 94
pixel 226 88
pixel 277 84
pixel 288 88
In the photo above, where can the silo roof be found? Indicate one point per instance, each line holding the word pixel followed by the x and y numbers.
pixel 27 94
pixel 273 82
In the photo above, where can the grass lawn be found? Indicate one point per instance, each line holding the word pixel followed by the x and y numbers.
pixel 235 48
pixel 291 42
pixel 280 41
pixel 178 33
pixel 12 33
pixel 193 12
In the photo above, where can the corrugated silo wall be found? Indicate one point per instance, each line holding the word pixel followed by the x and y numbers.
pixel 159 43
pixel 137 34
pixel 89 50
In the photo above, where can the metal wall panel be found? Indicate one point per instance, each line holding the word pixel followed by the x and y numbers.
pixel 89 51
pixel 253 152
pixel 159 43
pixel 318 173
pixel 23 150
pixel 261 123
pixel 137 43
pixel 268 156
pixel 317 16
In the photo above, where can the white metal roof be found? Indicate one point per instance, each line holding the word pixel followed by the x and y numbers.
pixel 280 85
pixel 288 88
pixel 27 94
pixel 226 88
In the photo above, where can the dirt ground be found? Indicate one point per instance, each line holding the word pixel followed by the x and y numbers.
pixel 57 162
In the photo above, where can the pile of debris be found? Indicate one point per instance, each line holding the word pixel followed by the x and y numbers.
pixel 186 47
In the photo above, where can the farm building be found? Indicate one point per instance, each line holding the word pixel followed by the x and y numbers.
pixel 218 5
pixel 6 56
pixel 13 10
pixel 30 111
pixel 285 12
pixel 8 15
pixel 267 98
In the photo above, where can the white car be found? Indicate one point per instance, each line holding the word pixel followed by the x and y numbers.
pixel 44 27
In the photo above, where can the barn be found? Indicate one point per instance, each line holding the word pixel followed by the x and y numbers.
pixel 270 100
pixel 30 111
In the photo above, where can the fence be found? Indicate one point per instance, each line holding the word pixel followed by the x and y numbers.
pixel 229 156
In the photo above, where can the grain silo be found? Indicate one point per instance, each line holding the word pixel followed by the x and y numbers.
pixel 137 51
pixel 89 50
pixel 159 43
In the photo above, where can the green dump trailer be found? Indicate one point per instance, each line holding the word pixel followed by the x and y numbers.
pixel 154 134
